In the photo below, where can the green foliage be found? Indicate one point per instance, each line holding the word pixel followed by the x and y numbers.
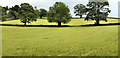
pixel 4 13
pixel 27 14
pixel 80 10
pixel 13 12
pixel 6 8
pixel 43 12
pixel 59 13
pixel 97 11
pixel 16 8
pixel 4 18
pixel 37 13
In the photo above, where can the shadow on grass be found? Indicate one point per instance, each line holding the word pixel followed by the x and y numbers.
pixel 88 25
pixel 33 25
pixel 109 24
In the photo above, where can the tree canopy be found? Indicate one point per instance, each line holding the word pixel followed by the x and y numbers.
pixel 4 13
pixel 13 12
pixel 43 12
pixel 16 8
pixel 97 11
pixel 27 14
pixel 59 13
pixel 80 10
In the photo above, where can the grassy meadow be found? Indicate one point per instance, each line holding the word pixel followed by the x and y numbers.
pixel 71 40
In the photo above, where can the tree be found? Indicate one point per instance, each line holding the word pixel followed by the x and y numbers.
pixel 4 13
pixel 1 13
pixel 16 8
pixel 79 10
pixel 35 7
pixel 37 13
pixel 59 13
pixel 13 12
pixel 27 14
pixel 97 11
pixel 43 12
pixel 6 8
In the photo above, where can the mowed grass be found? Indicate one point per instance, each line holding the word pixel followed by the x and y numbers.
pixel 60 41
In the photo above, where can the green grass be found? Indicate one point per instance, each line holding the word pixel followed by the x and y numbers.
pixel 60 41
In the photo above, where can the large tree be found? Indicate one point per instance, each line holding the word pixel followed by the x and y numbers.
pixel 27 14
pixel 59 13
pixel 97 11
pixel 43 12
pixel 80 10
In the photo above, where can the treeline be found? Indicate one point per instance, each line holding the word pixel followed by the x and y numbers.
pixel 14 12
pixel 59 12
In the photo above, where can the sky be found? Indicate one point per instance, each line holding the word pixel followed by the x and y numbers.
pixel 113 4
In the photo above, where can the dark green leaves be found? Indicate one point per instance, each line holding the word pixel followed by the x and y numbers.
pixel 59 12
pixel 97 11
pixel 4 13
pixel 43 12
pixel 27 14
pixel 80 10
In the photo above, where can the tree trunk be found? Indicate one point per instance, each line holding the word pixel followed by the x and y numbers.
pixel 59 24
pixel 25 24
pixel 15 17
pixel 40 17
pixel 80 16
pixel 97 22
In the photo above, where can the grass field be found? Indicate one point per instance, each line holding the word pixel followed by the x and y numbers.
pixel 75 40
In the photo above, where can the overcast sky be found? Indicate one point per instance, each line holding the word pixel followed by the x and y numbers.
pixel 71 3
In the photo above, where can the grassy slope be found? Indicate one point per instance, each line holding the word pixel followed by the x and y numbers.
pixel 60 41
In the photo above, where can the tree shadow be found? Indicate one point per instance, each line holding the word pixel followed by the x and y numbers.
pixel 109 24
pixel 33 25
pixel 88 25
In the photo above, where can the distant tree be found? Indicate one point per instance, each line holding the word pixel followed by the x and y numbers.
pixel 37 13
pixel 6 8
pixel 80 10
pixel 0 13
pixel 59 13
pixel 35 7
pixel 4 13
pixel 16 8
pixel 43 12
pixel 97 11
pixel 13 12
pixel 27 14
